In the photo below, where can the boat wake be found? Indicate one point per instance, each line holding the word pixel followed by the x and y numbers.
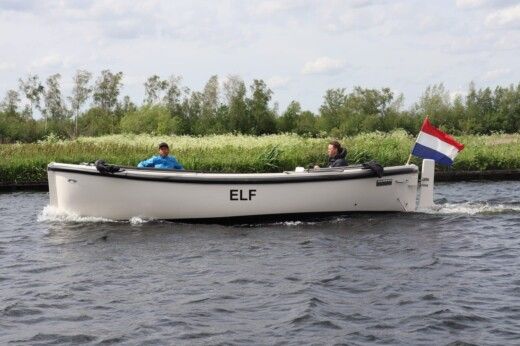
pixel 136 221
pixel 471 208
pixel 311 222
pixel 54 215
pixel 293 223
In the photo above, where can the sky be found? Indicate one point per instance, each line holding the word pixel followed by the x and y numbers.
pixel 300 48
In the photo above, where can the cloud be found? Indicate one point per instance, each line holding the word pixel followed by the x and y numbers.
pixel 278 82
pixel 421 42
pixel 362 3
pixel 50 61
pixel 508 42
pixel 130 28
pixel 352 20
pixel 469 3
pixel 6 66
pixel 469 44
pixel 507 17
pixel 349 18
pixel 495 74
pixel 381 18
pixel 19 6
pixel 268 8
pixel 323 65
pixel 193 22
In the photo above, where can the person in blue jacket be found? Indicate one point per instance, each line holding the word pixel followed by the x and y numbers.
pixel 163 160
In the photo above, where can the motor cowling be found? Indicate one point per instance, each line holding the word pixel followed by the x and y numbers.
pixel 427 181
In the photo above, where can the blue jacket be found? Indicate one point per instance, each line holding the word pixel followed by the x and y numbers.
pixel 158 161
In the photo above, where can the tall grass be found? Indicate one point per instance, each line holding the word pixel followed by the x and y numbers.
pixel 23 163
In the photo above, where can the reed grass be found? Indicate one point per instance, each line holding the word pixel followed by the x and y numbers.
pixel 23 163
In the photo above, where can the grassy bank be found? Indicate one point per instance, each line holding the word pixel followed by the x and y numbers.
pixel 22 163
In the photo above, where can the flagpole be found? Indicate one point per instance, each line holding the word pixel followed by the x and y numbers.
pixel 410 156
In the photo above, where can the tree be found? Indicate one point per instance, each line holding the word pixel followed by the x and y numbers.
pixel 194 113
pixel 16 125
pixel 95 122
pixel 177 104
pixel 107 89
pixel 306 124
pixel 471 123
pixel 508 106
pixel 54 106
pixel 153 87
pixel 150 119
pixel 486 111
pixel 434 102
pixel 127 105
pixel 370 101
pixel 11 102
pixel 33 90
pixel 235 93
pixel 172 97
pixel 106 92
pixel 210 98
pixel 288 121
pixel 80 94
pixel 204 121
pixel 263 117
pixel 332 108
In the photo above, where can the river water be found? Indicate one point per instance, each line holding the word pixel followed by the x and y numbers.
pixel 447 276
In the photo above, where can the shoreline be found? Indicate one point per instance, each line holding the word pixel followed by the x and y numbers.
pixel 27 163
pixel 440 176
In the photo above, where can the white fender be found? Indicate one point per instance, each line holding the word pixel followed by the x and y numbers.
pixel 427 181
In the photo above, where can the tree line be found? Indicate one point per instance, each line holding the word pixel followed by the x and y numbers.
pixel 95 107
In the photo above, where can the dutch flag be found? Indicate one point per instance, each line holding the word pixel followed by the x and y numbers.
pixel 434 144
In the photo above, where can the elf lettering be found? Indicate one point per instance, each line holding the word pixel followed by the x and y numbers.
pixel 240 195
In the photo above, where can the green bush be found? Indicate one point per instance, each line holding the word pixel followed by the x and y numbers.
pixel 150 119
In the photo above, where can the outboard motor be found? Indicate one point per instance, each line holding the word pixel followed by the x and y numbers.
pixel 427 180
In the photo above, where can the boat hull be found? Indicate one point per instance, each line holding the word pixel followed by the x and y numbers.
pixel 189 195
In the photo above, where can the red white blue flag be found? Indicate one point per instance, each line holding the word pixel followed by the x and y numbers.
pixel 434 144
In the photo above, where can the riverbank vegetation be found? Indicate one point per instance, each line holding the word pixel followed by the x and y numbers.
pixel 37 108
pixel 26 162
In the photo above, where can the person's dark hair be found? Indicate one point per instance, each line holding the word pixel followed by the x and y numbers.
pixel 336 145
pixel 163 144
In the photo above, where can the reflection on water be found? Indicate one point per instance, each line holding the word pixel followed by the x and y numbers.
pixel 444 275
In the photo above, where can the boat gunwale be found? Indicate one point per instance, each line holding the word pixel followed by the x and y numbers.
pixel 280 178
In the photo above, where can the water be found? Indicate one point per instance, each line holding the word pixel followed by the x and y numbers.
pixel 449 275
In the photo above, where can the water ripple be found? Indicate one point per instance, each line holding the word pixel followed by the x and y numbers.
pixel 446 276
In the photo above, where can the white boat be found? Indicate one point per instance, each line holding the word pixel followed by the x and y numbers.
pixel 121 193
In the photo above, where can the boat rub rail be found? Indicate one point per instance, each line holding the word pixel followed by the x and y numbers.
pixel 220 178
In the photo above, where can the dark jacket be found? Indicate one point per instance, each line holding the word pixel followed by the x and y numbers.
pixel 339 160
